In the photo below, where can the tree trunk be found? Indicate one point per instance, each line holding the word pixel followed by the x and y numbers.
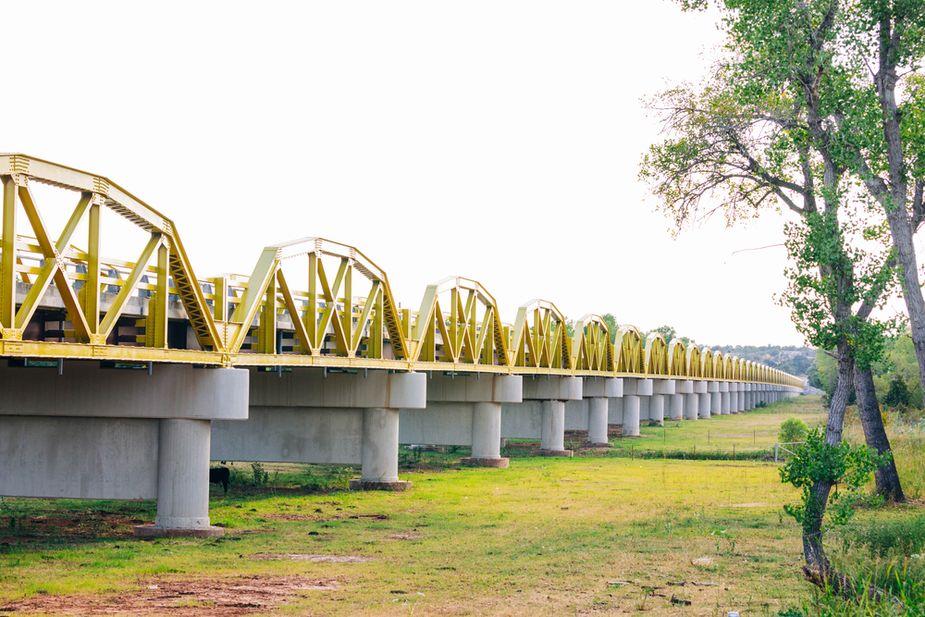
pixel 818 569
pixel 901 232
pixel 874 433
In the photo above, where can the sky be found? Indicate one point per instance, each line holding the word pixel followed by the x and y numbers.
pixel 494 140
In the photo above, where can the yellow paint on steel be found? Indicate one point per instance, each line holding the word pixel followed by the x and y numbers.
pixel 343 316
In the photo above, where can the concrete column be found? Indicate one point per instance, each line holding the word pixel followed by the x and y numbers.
pixel 657 409
pixel 631 416
pixel 486 436
pixel 633 390
pixel 682 389
pixel 741 397
pixel 598 412
pixel 691 406
pixel 749 396
pixel 701 388
pixel 662 391
pixel 726 399
pixel 182 480
pixel 553 436
pixel 598 392
pixel 733 397
pixel 716 398
pixel 676 409
pixel 379 451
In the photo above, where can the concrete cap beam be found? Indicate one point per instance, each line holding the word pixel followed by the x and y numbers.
pixel 602 387
pixel 664 386
pixel 361 390
pixel 637 387
pixel 475 388
pixel 700 387
pixel 684 386
pixel 86 390
pixel 553 388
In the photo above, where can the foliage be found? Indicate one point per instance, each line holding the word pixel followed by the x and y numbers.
pixel 891 537
pixel 898 364
pixel 792 430
pixel 848 468
pixel 898 395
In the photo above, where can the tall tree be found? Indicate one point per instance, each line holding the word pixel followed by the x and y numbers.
pixel 878 113
pixel 754 136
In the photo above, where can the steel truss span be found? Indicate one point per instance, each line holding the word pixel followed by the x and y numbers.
pixel 309 302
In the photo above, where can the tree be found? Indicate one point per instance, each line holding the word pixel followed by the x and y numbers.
pixel 754 136
pixel 666 332
pixel 878 114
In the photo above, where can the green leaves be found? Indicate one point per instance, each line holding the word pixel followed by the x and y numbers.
pixel 848 468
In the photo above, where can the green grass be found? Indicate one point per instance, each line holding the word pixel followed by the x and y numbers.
pixel 604 535
pixel 751 432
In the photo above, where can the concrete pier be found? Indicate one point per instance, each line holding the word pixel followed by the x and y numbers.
pixel 716 398
pixel 101 433
pixel 682 389
pixel 633 390
pixel 662 391
pixel 598 392
pixel 692 401
pixel 463 410
pixel 542 413
pixel 312 416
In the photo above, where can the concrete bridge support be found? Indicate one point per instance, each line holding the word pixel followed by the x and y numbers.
pixel 682 389
pixel 633 391
pixel 598 392
pixel 692 401
pixel 716 398
pixel 741 398
pixel 542 413
pixel 706 401
pixel 733 397
pixel 463 410
pixel 725 407
pixel 309 415
pixel 662 392
pixel 99 433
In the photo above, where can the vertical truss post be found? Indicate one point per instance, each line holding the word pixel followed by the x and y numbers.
pixel 91 291
pixel 374 341
pixel 8 257
pixel 311 311
pixel 157 307
pixel 266 329
pixel 347 315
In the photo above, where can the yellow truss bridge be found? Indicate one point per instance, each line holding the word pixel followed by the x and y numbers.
pixel 58 301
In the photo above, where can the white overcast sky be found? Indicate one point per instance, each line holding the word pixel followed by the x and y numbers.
pixel 495 140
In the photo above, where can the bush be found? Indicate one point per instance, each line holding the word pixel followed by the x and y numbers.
pixel 893 537
pixel 898 394
pixel 792 429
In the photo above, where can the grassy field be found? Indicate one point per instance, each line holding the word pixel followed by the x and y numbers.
pixel 743 432
pixel 580 536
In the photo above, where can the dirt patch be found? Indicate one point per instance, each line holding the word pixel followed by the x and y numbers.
pixel 405 535
pixel 751 504
pixel 79 526
pixel 312 558
pixel 190 598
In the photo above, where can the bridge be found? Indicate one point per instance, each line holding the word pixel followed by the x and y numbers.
pixel 122 378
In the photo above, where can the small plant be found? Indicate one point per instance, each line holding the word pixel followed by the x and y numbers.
pixel 791 430
pixel 259 475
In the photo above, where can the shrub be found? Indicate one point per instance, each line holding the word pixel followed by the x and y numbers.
pixel 792 429
pixel 898 394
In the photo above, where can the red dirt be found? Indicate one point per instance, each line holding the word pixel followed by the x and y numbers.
pixel 229 597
